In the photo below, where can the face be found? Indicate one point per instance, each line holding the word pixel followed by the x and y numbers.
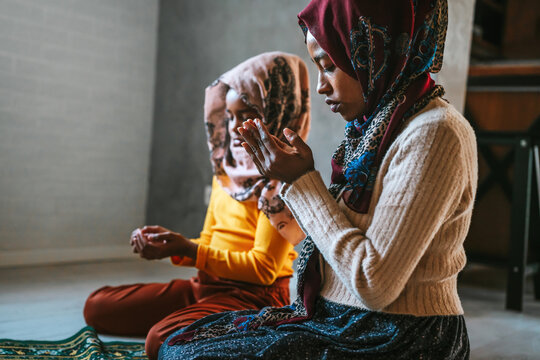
pixel 237 112
pixel 342 93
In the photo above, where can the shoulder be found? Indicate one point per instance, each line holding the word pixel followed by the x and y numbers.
pixel 438 122
pixel 218 195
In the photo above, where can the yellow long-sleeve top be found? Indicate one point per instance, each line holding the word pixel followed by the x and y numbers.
pixel 239 243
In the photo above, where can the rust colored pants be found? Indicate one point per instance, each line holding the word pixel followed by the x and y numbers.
pixel 156 310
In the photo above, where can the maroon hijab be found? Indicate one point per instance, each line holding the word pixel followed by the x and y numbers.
pixel 390 46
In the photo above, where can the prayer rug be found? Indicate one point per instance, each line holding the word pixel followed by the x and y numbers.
pixel 83 345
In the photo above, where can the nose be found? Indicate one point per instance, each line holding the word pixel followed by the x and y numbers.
pixel 323 86
pixel 235 123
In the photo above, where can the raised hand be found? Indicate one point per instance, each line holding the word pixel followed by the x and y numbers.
pixel 274 158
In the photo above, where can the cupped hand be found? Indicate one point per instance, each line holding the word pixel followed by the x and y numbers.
pixel 157 242
pixel 274 158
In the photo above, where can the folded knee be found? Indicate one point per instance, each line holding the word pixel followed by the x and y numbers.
pixel 95 307
pixel 153 342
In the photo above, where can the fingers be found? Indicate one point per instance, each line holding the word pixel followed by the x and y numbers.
pixel 251 135
pixel 262 137
pixel 133 244
pixel 153 229
pixel 154 244
pixel 164 237
pixel 254 150
pixel 161 237
pixel 132 237
pixel 266 138
pixel 250 152
pixel 296 141
pixel 139 241
pixel 274 158
pixel 152 251
pixel 165 244
pixel 280 143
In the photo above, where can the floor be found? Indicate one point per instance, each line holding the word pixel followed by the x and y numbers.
pixel 46 303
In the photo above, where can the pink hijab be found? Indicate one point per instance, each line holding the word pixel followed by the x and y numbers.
pixel 276 86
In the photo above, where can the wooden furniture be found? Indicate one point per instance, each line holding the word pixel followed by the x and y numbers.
pixel 506 29
pixel 503 105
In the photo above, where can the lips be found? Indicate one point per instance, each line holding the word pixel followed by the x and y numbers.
pixel 334 105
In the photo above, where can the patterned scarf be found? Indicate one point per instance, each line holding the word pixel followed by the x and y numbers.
pixel 276 86
pixel 390 46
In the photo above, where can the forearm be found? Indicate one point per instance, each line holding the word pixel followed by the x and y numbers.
pixel 376 263
pixel 343 245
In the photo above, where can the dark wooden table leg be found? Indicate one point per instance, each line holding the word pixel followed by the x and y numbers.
pixel 519 227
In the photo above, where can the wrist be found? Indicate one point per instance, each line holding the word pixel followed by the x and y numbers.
pixel 298 176
pixel 192 249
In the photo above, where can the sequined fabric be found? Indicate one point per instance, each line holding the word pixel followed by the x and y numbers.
pixel 334 332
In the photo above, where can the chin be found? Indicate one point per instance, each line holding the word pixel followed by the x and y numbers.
pixel 348 118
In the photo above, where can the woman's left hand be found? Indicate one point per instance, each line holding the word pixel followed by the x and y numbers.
pixel 273 158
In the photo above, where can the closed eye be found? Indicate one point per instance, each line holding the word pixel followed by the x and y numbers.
pixel 329 69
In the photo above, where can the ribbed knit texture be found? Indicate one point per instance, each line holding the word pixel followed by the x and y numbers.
pixel 404 255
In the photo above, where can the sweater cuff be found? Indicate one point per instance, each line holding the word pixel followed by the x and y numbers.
pixel 202 255
pixel 177 260
pixel 294 189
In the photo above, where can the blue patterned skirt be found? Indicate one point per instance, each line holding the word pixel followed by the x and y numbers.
pixel 334 332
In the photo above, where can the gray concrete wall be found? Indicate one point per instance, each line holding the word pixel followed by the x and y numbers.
pixel 76 99
pixel 457 51
pixel 76 107
pixel 199 40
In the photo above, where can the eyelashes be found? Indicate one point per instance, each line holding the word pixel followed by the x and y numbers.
pixel 329 69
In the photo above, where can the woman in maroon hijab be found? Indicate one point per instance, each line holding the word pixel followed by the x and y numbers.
pixel 378 270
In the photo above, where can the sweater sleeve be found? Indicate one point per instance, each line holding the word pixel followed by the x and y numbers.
pixel 260 265
pixel 419 189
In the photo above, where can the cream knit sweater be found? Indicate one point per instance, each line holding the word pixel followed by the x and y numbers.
pixel 404 255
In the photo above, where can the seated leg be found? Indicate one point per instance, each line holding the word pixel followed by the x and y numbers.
pixel 233 300
pixel 133 309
